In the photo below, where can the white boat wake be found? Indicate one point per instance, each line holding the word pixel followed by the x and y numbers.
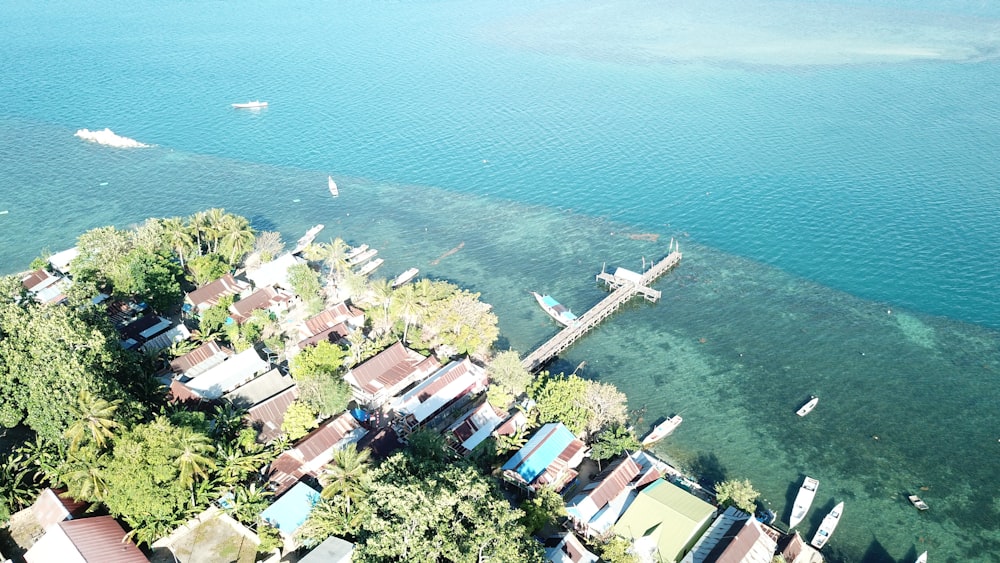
pixel 108 137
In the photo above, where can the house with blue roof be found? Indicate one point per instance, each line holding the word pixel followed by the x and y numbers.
pixel 550 458
pixel 291 510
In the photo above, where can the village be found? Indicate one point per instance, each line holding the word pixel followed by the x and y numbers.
pixel 323 414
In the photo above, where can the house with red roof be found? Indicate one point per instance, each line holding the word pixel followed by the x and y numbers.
pixel 268 298
pixel 388 373
pixel 45 287
pixel 99 539
pixel 566 548
pixel 210 294
pixel 313 452
pixel 599 505
pixel 333 325
pixel 735 537
pixel 473 427
pixel 199 360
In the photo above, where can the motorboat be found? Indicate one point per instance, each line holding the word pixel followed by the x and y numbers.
pixel 556 310
pixel 803 500
pixel 662 430
pixel 334 191
pixel 922 558
pixel 256 104
pixel 826 529
pixel 307 239
pixel 370 267
pixel 405 277
pixel 915 501
pixel 808 407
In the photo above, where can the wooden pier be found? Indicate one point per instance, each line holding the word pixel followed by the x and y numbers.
pixel 624 285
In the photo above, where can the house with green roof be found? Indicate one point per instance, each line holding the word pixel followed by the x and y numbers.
pixel 664 522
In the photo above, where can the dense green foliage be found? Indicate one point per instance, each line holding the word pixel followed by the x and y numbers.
pixel 508 378
pixel 300 418
pixel 544 508
pixel 738 493
pixel 48 354
pixel 317 370
pixel 305 283
pixel 583 406
pixel 613 441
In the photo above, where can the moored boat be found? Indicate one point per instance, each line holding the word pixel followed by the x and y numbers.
pixel 370 267
pixel 803 500
pixel 556 310
pixel 922 558
pixel 256 104
pixel 915 501
pixel 334 191
pixel 405 277
pixel 352 253
pixel 358 259
pixel 808 407
pixel 662 430
pixel 829 524
pixel 307 239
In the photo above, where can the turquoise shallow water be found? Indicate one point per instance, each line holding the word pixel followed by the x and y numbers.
pixel 810 200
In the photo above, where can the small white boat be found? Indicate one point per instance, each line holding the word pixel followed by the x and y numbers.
pixel 803 500
pixel 808 407
pixel 919 504
pixel 256 104
pixel 307 239
pixel 370 267
pixel 333 186
pixel 405 277
pixel 922 558
pixel 359 259
pixel 829 524
pixel 662 430
pixel 355 251
pixel 557 311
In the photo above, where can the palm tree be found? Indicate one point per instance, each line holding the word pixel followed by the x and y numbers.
pixel 215 226
pixel 83 475
pixel 382 297
pixel 347 476
pixel 178 236
pixel 198 223
pixel 235 463
pixel 408 307
pixel 236 236
pixel 247 502
pixel 92 418
pixel 193 459
pixel 336 258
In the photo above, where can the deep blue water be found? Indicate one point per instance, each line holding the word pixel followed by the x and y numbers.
pixel 814 188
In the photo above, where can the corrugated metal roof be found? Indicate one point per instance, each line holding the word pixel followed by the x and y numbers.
pixel 267 416
pixel 102 540
pixel 209 353
pixel 542 450
pixel 228 375
pixel 209 295
pixel 388 368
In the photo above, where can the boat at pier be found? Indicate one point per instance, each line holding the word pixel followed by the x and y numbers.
pixel 360 258
pixel 808 407
pixel 829 524
pixel 919 504
pixel 333 186
pixel 256 104
pixel 370 267
pixel 405 277
pixel 307 239
pixel 556 310
pixel 803 500
pixel 662 430
pixel 352 253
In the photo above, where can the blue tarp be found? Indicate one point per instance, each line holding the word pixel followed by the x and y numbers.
pixel 541 450
pixel 359 414
pixel 292 508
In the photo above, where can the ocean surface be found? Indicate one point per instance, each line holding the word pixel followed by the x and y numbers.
pixel 830 170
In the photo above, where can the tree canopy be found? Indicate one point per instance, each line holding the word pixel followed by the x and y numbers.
pixel 737 492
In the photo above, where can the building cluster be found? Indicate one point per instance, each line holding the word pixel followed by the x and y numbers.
pixel 662 514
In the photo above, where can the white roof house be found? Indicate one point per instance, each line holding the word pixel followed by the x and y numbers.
pixel 228 375
pixel 447 384
pixel 60 260
pixel 274 272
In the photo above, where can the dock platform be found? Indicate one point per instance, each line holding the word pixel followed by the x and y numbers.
pixel 624 285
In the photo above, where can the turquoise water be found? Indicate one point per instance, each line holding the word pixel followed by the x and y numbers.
pixel 819 173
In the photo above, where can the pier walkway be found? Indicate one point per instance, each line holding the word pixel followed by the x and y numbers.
pixel 624 285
